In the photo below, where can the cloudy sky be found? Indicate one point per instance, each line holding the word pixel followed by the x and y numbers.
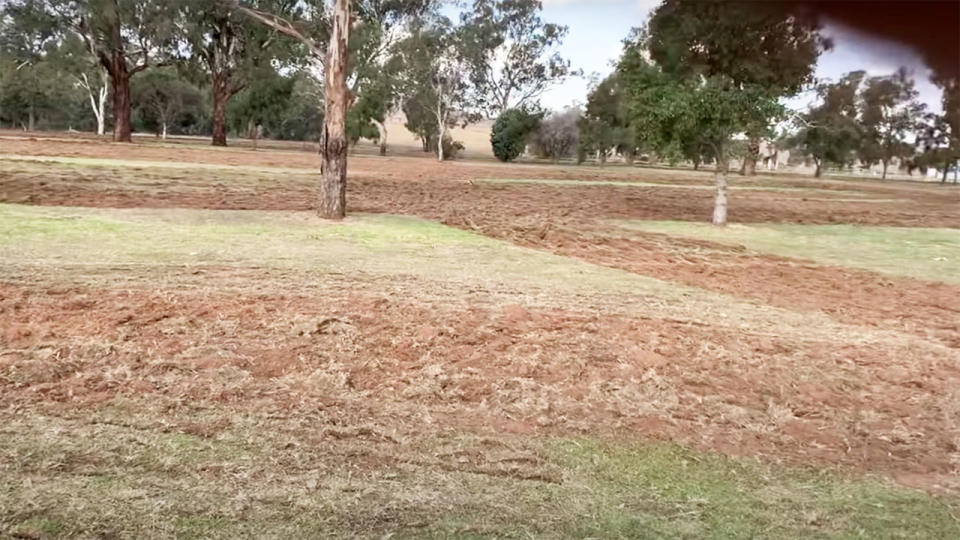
pixel 598 26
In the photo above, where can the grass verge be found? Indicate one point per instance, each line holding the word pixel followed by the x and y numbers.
pixel 133 470
pixel 663 184
pixel 924 253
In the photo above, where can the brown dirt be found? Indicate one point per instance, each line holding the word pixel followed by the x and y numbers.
pixel 493 370
pixel 869 407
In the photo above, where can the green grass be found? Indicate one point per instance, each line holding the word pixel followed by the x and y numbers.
pixel 426 259
pixel 262 478
pixel 663 491
pixel 665 184
pixel 122 164
pixel 924 253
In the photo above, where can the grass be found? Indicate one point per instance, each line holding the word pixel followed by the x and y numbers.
pixel 126 471
pixel 923 253
pixel 664 184
pixel 115 244
pixel 82 162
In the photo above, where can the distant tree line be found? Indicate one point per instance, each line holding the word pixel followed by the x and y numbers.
pixel 255 67
pixel 702 82
pixel 706 81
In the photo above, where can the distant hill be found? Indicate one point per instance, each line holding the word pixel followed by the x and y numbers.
pixel 475 138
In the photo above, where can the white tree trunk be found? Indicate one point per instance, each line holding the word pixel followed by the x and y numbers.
pixel 98 98
pixel 443 131
pixel 164 133
pixel 720 203
pixel 101 109
pixel 382 129
pixel 441 127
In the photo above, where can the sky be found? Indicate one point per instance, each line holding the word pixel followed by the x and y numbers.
pixel 597 27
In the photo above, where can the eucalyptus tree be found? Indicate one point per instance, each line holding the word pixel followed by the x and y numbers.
pixel 605 126
pixel 373 81
pixel 830 132
pixel 324 31
pixel 745 43
pixel 512 54
pixel 719 69
pixel 163 99
pixel 434 80
pixel 890 114
pixel 939 137
pixel 228 47
pixel 125 37
pixel 28 40
pixel 43 44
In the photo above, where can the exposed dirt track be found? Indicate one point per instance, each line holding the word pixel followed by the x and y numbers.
pixel 504 370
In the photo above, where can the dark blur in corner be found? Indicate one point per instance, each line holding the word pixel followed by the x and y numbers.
pixel 932 28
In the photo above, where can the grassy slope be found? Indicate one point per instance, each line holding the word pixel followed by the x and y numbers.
pixel 931 254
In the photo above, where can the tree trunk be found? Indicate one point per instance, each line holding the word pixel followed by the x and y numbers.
pixel 101 108
pixel 163 133
pixel 221 95
pixel 441 124
pixel 946 169
pixel 382 128
pixel 122 122
pixel 819 170
pixel 31 118
pixel 749 167
pixel 221 74
pixel 332 203
pixel 443 131
pixel 720 203
pixel 885 164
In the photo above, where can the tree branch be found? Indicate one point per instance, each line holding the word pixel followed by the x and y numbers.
pixel 284 26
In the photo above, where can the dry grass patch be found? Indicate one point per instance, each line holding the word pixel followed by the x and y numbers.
pixel 136 469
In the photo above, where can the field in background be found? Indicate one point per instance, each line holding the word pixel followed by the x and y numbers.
pixel 478 350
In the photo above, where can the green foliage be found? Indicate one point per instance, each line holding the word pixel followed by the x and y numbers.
pixel 432 80
pixel 373 105
pixel 718 70
pixel 512 54
pixel 736 60
pixel 262 102
pixel 419 121
pixel 283 106
pixel 605 126
pixel 890 113
pixel 741 41
pixel 38 87
pixel 163 101
pixel 375 79
pixel 511 131
pixel 830 132
pixel 939 137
